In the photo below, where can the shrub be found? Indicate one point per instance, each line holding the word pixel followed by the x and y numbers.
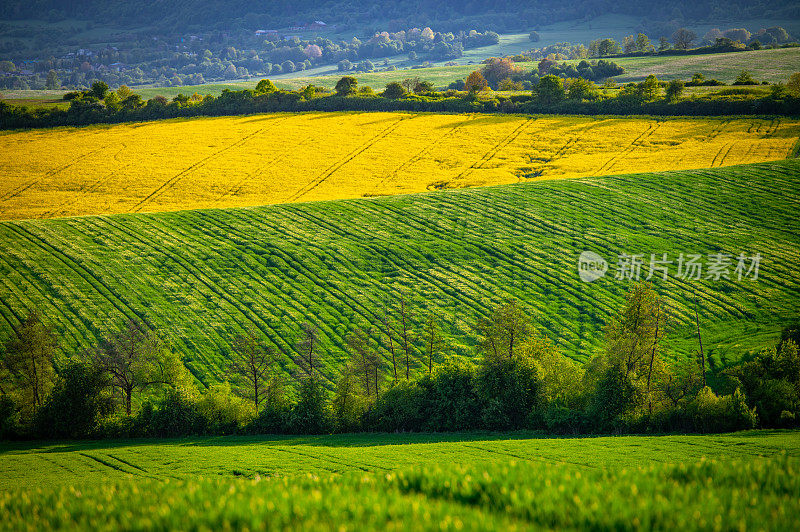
pixel 713 413
pixel 76 405
pixel 310 414
pixel 508 391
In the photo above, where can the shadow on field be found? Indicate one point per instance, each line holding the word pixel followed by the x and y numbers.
pixel 334 440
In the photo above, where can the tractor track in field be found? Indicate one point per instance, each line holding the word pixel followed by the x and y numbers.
pixel 240 184
pixel 422 153
pixel 169 183
pixel 494 150
pixel 719 158
pixel 81 271
pixel 50 173
pixel 332 169
pixel 74 331
pixel 646 134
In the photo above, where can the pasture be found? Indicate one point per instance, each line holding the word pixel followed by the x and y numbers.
pixel 200 277
pixel 469 481
pixel 174 165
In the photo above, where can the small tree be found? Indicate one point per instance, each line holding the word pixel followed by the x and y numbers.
pixel 675 90
pixel 793 85
pixel 52 82
pixel 252 362
pixel 745 78
pixel 423 87
pixel 99 90
pixel 550 89
pixel 265 86
pixel 365 360
pixel 650 88
pixel 434 341
pixel 503 335
pixel 346 86
pixel 580 89
pixel 394 90
pixel 534 36
pixel 76 405
pixel 475 82
pixel 26 362
pixel 405 315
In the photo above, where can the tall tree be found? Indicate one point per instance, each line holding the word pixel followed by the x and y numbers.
pixel 135 359
pixel 389 331
pixel 365 359
pixel 505 332
pixel 26 361
pixel 405 316
pixel 252 362
pixel 308 357
pixel 434 341
pixel 634 335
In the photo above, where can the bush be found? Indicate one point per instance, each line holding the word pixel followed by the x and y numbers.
pixel 398 409
pixel 508 391
pixel 450 401
pixel 727 413
pixel 77 404
pixel 175 415
pixel 310 414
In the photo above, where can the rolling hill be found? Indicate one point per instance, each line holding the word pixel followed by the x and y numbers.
pixel 202 276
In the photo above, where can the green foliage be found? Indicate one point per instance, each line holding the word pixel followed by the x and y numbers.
pixel 265 86
pixel 550 90
pixel 745 78
pixel 713 413
pixel 77 405
pixel 771 381
pixel 346 86
pixel 310 415
pixel 675 90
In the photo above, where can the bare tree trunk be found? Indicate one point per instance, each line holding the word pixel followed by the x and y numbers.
pixel 650 370
pixel 700 340
pixel 388 326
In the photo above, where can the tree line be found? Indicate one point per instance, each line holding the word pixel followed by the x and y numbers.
pixel 551 95
pixel 397 376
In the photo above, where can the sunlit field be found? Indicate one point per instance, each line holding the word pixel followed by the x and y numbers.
pixel 279 158
pixel 438 482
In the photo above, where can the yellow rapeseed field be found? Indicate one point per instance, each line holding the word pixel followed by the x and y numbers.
pixel 277 158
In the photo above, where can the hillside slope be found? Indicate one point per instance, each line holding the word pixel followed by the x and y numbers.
pixel 201 277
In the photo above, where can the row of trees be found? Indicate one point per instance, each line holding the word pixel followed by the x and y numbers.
pixel 397 376
pixel 551 94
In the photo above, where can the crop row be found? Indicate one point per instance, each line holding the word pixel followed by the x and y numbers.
pixel 202 277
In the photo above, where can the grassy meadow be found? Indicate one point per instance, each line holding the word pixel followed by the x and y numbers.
pixel 283 158
pixel 469 481
pixel 200 277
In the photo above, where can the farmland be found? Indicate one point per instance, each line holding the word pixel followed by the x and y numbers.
pixel 280 158
pixel 470 481
pixel 201 277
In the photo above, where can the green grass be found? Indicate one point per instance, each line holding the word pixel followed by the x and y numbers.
pixel 202 277
pixel 417 481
